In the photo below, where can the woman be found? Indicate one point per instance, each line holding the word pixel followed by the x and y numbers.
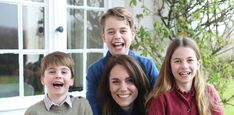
pixel 123 87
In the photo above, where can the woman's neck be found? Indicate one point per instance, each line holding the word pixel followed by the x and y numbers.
pixel 128 109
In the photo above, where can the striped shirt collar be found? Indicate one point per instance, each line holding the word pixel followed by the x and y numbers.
pixel 49 103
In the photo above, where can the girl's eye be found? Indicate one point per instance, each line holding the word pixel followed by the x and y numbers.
pixel 177 61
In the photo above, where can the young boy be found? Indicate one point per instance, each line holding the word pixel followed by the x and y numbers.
pixel 57 74
pixel 118 33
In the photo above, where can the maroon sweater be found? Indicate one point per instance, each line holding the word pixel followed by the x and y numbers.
pixel 175 102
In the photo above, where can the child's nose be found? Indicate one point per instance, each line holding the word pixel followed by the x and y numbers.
pixel 58 75
pixel 117 35
pixel 184 64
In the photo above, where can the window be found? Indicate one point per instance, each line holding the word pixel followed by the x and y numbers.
pixel 30 29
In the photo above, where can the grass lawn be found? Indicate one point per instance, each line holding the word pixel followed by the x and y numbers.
pixel 228 109
pixel 9 79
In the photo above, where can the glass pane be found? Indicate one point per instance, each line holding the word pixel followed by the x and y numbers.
pixel 96 3
pixel 78 82
pixel 75 2
pixel 94 32
pixel 33 27
pixel 9 75
pixel 92 57
pixel 8 26
pixel 32 83
pixel 75 29
pixel 35 0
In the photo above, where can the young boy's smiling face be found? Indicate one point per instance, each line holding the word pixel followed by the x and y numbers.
pixel 117 35
pixel 57 79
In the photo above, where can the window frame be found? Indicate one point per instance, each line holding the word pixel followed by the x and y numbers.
pixel 54 10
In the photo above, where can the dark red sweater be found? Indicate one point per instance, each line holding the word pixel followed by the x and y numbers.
pixel 175 102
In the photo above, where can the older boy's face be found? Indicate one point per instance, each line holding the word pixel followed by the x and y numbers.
pixel 117 35
pixel 57 79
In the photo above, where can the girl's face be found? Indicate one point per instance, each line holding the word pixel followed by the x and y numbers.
pixel 184 65
pixel 57 79
pixel 117 35
pixel 122 88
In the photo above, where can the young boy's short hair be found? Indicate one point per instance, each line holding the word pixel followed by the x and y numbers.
pixel 57 58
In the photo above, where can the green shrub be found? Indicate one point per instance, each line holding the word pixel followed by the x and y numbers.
pixel 210 23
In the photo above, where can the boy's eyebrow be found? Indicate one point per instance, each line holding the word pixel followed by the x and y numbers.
pixel 109 29
pixel 50 68
pixel 65 68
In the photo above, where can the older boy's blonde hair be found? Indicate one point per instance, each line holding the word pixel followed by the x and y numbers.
pixel 120 13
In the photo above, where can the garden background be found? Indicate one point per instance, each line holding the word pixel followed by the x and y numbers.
pixel 209 22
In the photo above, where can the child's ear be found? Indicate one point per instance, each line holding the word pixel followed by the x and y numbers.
pixel 199 62
pixel 72 81
pixel 133 35
pixel 103 36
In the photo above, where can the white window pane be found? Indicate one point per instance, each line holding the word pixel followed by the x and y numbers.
pixel 33 27
pixel 75 2
pixel 95 3
pixel 75 29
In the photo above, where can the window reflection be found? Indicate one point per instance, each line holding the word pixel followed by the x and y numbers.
pixel 32 82
pixel 91 57
pixel 94 30
pixel 96 3
pixel 8 26
pixel 75 2
pixel 9 75
pixel 75 29
pixel 78 82
pixel 33 26
pixel 35 0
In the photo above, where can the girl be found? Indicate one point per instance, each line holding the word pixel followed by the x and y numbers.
pixel 180 88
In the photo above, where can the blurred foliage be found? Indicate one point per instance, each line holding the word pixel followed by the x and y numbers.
pixel 209 22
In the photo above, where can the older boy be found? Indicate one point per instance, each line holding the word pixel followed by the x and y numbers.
pixel 118 34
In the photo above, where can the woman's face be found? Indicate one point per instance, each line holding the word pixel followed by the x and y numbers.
pixel 184 65
pixel 122 88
